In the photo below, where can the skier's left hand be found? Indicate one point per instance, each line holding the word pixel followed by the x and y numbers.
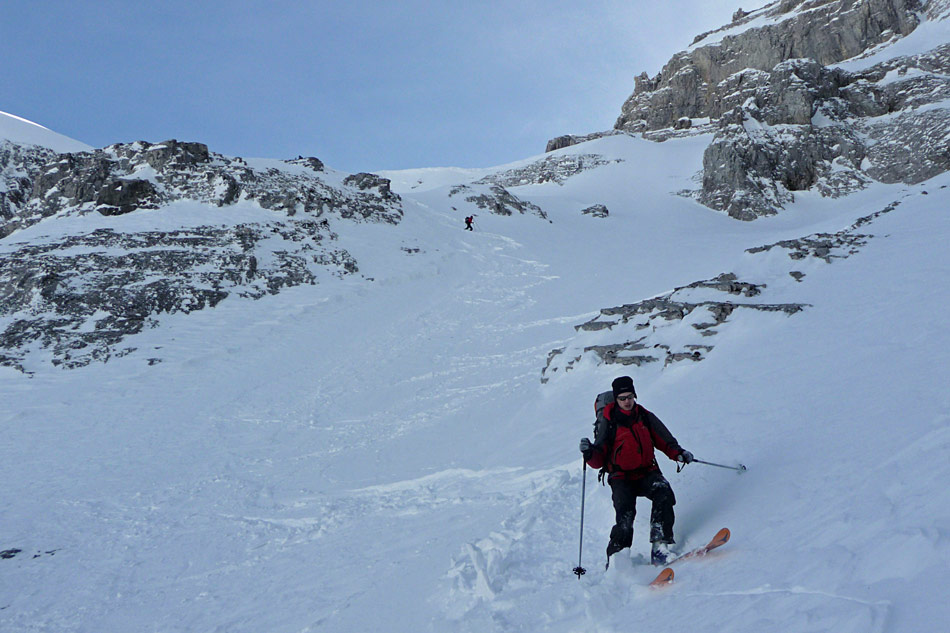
pixel 686 457
pixel 585 447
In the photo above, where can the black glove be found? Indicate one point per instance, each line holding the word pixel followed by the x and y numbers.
pixel 585 447
pixel 685 457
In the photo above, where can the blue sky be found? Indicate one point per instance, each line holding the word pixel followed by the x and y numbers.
pixel 361 85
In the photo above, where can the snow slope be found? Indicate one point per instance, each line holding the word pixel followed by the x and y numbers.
pixel 382 456
pixel 19 130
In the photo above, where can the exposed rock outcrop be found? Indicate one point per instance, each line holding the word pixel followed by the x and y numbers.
pixel 826 31
pixel 805 126
pixel 496 199
pixel 76 298
pixel 596 210
pixel 568 140
pixel 79 297
pixel 556 169
pixel 124 177
pixel 681 325
pixel 19 167
pixel 638 324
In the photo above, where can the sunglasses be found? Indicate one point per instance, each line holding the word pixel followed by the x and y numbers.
pixel 624 398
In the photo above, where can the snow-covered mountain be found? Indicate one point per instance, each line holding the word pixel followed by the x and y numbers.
pixel 820 95
pixel 262 395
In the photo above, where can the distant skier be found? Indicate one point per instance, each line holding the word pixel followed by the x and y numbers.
pixel 624 439
pixel 468 223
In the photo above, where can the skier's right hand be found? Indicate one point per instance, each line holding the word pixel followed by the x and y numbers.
pixel 585 447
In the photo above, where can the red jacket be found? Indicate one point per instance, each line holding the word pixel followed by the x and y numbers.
pixel 625 446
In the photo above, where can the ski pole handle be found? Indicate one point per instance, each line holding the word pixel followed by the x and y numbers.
pixel 739 468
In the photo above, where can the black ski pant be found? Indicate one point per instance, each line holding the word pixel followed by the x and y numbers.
pixel 654 487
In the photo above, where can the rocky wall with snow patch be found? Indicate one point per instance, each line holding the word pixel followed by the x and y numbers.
pixel 785 119
pixel 124 177
pixel 826 31
pixel 77 296
pixel 804 126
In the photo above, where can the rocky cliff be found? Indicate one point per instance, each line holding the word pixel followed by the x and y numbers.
pixel 696 83
pixel 785 118
pixel 77 295
pixel 122 178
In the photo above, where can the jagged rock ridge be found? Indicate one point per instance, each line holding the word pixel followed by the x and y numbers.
pixel 784 120
pixel 125 177
pixel 825 31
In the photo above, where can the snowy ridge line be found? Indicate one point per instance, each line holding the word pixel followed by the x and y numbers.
pixel 743 21
pixel 19 131
pixel 558 168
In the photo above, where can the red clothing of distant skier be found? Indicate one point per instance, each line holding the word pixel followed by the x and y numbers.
pixel 627 448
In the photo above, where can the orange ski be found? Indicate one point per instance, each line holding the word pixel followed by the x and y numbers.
pixel 721 538
pixel 664 578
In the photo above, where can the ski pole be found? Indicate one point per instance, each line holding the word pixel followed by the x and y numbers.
pixel 580 571
pixel 738 468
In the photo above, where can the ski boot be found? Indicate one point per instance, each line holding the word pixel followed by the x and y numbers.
pixel 660 553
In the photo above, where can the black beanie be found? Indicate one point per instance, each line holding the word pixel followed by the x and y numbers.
pixel 623 385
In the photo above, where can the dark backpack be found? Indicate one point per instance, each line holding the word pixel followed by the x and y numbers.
pixel 601 423
pixel 604 429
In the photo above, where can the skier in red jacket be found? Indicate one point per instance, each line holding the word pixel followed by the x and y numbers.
pixel 624 440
